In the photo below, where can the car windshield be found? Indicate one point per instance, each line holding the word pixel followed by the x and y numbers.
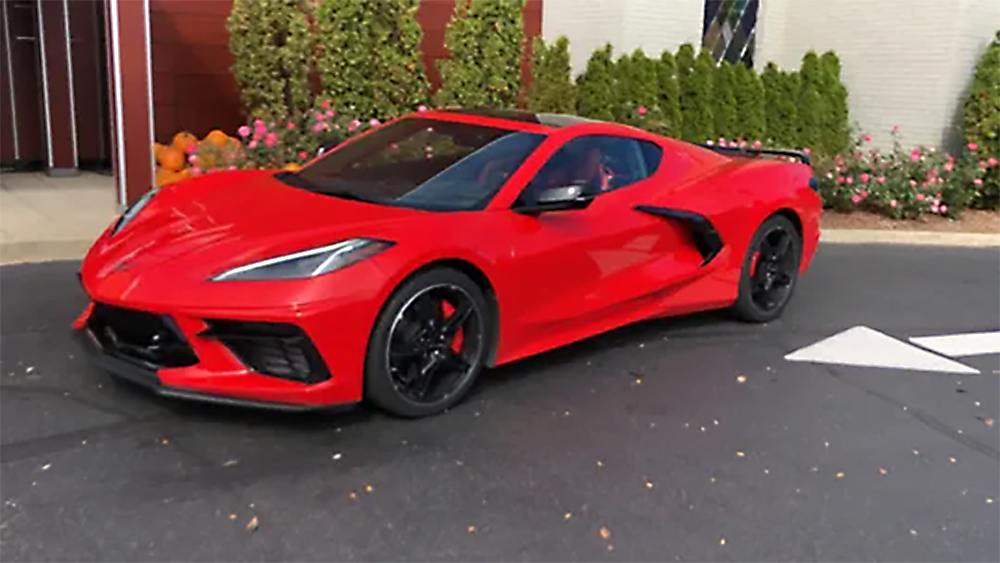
pixel 421 163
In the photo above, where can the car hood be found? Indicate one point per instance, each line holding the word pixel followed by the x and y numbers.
pixel 206 225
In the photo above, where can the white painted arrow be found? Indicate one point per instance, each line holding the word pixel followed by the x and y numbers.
pixel 862 346
pixel 958 345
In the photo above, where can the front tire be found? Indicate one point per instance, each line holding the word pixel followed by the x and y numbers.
pixel 770 271
pixel 429 344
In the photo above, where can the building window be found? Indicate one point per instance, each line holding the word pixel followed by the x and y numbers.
pixel 729 30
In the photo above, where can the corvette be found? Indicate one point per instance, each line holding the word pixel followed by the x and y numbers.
pixel 396 266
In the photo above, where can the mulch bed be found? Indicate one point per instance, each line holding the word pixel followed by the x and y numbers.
pixel 971 221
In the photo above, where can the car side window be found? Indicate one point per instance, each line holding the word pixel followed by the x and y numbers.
pixel 599 163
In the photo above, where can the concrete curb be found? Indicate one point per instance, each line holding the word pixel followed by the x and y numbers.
pixel 47 251
pixel 919 238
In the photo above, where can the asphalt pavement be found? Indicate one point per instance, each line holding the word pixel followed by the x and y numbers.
pixel 687 439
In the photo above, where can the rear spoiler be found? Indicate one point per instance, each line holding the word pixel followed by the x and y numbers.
pixel 748 152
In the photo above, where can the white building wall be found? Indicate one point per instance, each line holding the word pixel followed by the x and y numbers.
pixel 905 62
pixel 652 25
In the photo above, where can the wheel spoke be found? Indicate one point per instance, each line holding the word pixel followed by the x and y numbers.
pixel 782 247
pixel 455 321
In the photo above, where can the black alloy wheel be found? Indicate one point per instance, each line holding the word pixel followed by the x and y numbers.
pixel 429 344
pixel 770 271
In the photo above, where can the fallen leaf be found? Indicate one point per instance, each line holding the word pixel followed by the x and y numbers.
pixel 336 456
pixel 353 495
pixel 916 452
pixel 638 381
pixel 713 480
pixel 165 441
pixel 230 462
pixel 459 462
pixel 600 463
pixel 605 533
pixel 882 471
pixel 741 379
pixel 649 485
pixel 703 429
pixel 767 471
pixel 715 422
pixel 976 403
pixel 989 500
pixel 840 475
pixel 368 488
pixel 472 529
pixel 30 369
pixel 722 541
pixel 46 467
pixel 913 532
pixel 988 422
pixel 232 516
pixel 740 454
pixel 253 524
pixel 826 444
pixel 953 460
pixel 567 516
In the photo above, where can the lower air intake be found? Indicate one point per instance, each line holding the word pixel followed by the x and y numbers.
pixel 275 349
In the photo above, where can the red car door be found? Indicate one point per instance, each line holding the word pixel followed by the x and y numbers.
pixel 587 270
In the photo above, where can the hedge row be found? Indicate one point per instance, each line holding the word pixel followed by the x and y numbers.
pixel 687 96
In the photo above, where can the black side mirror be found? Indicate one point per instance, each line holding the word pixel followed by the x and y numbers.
pixel 563 198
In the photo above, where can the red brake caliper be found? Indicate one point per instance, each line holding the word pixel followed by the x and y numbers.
pixel 753 264
pixel 456 342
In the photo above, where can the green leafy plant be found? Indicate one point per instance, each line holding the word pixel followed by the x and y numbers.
pixel 552 89
pixel 812 110
pixel 485 40
pixel 669 102
pixel 748 93
pixel 724 101
pixel 780 99
pixel 981 121
pixel 836 134
pixel 638 87
pixel 272 48
pixel 595 86
pixel 694 76
pixel 369 56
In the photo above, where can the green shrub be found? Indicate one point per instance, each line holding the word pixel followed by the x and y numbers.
pixel 724 106
pixel 781 91
pixel 272 48
pixel 695 81
pixel 981 122
pixel 669 102
pixel 552 88
pixel 595 86
pixel 485 39
pixel 812 110
pixel 369 56
pixel 638 87
pixel 836 135
pixel 749 97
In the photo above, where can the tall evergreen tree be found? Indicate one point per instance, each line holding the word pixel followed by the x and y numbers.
pixel 749 95
pixel 670 109
pixel 837 128
pixel 724 101
pixel 780 98
pixel 694 77
pixel 552 88
pixel 485 39
pixel 812 111
pixel 369 56
pixel 637 87
pixel 595 86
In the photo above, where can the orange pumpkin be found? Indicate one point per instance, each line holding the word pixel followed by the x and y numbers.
pixel 217 138
pixel 164 177
pixel 292 167
pixel 157 147
pixel 171 159
pixel 183 141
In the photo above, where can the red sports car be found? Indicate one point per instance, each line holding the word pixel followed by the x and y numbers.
pixel 396 266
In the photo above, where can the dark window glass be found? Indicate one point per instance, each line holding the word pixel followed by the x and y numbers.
pixel 651 155
pixel 729 30
pixel 600 163
pixel 421 163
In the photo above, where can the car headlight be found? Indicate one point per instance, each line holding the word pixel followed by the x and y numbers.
pixel 308 263
pixel 133 211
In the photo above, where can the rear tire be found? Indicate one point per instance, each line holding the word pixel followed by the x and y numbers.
pixel 770 271
pixel 429 344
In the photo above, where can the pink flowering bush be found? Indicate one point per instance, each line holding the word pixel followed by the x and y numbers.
pixel 900 183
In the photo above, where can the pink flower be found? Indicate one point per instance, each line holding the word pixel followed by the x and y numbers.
pixel 978 181
pixel 947 167
pixel 923 186
pixel 895 128
pixel 193 159
pixel 709 142
pixel 421 108
pixel 743 144
pixel 732 144
pixel 807 150
pixel 722 141
pixel 829 175
pixel 864 193
pixel 757 144
pixel 840 180
pixel 642 110
pixel 934 209
pixel 258 122
pixel 881 179
pixel 195 170
pixel 325 105
pixel 972 146
pixel 982 164
pixel 855 199
pixel 915 155
pixel 291 125
pixel 868 138
pixel 318 127
pixel 330 113
pixel 253 144
pixel 864 177
pixel 992 161
pixel 232 167
pixel 244 131
pixel 319 116
pixel 944 209
pixel 271 140
pixel 920 197
pixel 303 154
pixel 913 183
pixel 373 122
pixel 850 180
pixel 892 203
